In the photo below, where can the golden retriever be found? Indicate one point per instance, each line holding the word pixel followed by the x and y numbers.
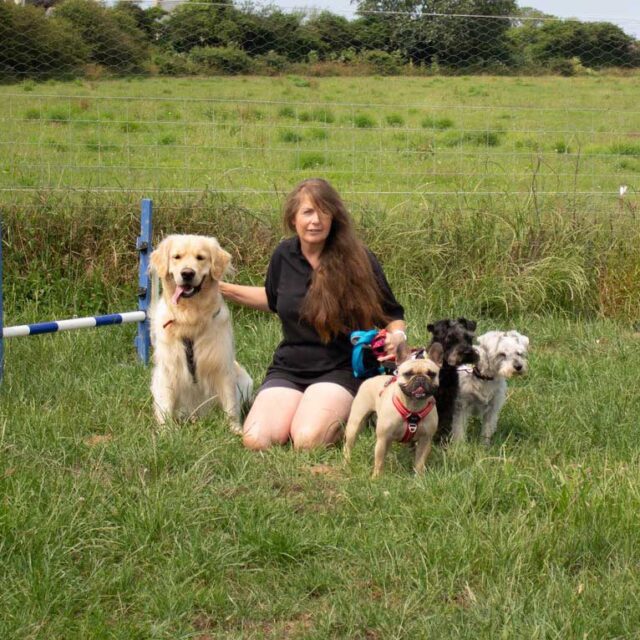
pixel 191 333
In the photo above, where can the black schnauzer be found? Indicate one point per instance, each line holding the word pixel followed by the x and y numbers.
pixel 456 338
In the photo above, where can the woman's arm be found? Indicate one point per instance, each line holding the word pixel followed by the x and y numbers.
pixel 253 297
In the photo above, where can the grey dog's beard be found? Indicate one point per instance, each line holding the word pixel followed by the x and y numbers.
pixel 409 389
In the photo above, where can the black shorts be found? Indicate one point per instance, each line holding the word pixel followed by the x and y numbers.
pixel 288 380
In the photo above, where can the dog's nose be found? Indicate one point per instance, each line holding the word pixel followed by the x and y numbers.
pixel 187 274
pixel 517 366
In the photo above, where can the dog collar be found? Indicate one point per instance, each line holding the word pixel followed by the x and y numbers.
pixel 411 418
pixel 481 376
pixel 474 371
pixel 168 322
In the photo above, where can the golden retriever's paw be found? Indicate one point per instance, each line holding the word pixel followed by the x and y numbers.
pixel 235 428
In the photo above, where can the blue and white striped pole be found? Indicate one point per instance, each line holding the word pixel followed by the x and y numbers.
pixel 74 323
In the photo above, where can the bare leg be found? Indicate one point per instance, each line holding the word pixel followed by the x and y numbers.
pixel 269 420
pixel 318 420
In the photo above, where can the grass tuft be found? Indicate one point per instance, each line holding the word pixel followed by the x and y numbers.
pixel 364 121
pixel 311 160
pixel 288 135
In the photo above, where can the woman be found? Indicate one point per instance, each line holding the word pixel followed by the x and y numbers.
pixel 323 283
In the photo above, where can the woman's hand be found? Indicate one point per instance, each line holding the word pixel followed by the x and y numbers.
pixel 395 336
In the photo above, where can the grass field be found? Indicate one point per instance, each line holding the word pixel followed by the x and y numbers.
pixel 490 197
pixel 110 529
pixel 471 135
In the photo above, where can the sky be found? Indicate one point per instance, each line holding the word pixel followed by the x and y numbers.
pixel 624 13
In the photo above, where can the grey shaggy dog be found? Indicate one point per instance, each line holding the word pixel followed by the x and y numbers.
pixel 482 388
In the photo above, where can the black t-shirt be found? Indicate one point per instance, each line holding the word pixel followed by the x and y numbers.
pixel 302 351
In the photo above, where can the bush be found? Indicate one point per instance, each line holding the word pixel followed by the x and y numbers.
pixel 173 64
pixel 230 60
pixel 34 45
pixel 596 44
pixel 562 66
pixel 386 64
pixel 273 62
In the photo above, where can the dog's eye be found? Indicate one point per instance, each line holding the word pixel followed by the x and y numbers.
pixel 502 355
pixel 199 257
pixel 432 374
pixel 408 374
pixel 177 256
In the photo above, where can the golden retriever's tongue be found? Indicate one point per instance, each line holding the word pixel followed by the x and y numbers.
pixel 177 293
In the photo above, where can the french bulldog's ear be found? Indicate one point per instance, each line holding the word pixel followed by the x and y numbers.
pixel 159 259
pixel 402 352
pixel 436 353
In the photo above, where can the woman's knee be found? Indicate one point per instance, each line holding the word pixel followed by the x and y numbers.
pixel 260 437
pixel 316 436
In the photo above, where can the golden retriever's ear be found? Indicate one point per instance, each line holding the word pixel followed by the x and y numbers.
pixel 159 258
pixel 220 260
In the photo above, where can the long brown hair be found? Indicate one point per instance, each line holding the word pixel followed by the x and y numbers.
pixel 344 294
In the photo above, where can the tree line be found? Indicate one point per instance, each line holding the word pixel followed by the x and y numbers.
pixel 71 37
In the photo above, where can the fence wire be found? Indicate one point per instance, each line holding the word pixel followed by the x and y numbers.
pixel 433 99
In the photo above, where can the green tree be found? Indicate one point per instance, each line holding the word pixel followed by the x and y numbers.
pixel 455 33
pixel 34 45
pixel 597 44
pixel 145 20
pixel 268 29
pixel 112 37
pixel 333 33
pixel 208 23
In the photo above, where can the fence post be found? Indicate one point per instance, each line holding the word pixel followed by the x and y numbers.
pixel 1 312
pixel 143 245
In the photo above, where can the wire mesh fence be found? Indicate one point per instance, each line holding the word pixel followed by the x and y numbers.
pixel 444 99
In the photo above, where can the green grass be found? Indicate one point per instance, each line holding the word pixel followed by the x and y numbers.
pixel 289 136
pixel 496 200
pixel 110 528
pixel 568 137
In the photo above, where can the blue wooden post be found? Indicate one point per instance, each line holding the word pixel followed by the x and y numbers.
pixel 1 312
pixel 143 245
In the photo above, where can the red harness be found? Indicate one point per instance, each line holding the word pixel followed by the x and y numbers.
pixel 410 418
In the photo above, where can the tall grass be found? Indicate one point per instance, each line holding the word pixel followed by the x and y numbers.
pixel 447 255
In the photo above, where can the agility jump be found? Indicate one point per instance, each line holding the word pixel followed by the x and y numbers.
pixel 142 340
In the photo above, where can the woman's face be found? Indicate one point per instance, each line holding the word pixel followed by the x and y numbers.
pixel 312 225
